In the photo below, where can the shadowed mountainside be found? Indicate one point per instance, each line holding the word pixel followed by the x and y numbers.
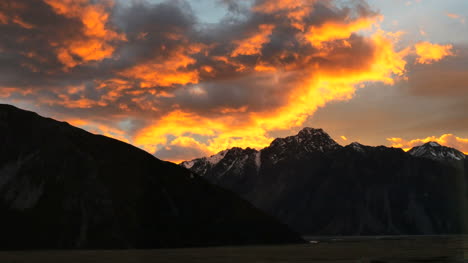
pixel 62 187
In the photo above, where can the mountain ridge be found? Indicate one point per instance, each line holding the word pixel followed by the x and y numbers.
pixel 327 189
pixel 419 151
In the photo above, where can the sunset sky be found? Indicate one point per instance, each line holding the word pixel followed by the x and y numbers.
pixel 184 79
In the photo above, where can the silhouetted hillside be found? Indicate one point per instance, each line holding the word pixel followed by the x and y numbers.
pixel 62 187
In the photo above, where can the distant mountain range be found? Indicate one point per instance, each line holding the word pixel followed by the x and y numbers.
pixel 62 187
pixel 319 187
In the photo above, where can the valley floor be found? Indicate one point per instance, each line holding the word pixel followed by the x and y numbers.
pixel 376 249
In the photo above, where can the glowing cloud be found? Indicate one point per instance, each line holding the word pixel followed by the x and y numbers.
pixel 8 15
pixel 97 42
pixel 165 73
pixel 248 128
pixel 336 30
pixel 197 87
pixel 429 53
pixel 253 44
pixel 456 17
pixel 100 129
pixel 276 6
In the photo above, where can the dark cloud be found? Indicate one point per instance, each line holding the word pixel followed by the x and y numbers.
pixel 154 30
pixel 26 54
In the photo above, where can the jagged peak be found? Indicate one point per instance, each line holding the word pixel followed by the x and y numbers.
pixel 315 134
pixel 356 146
pixel 432 144
pixel 311 131
pixel 429 145
pixel 310 139
pixel 435 151
pixel 218 157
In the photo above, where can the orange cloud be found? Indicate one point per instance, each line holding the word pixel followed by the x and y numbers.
pixel 233 110
pixel 7 15
pixel 231 90
pixel 454 16
pixel 261 66
pixel 334 30
pixel 98 128
pixel 170 71
pixel 457 17
pixel 184 142
pixel 247 128
pixel 223 132
pixel 72 97
pixel 6 92
pixel 449 140
pixel 239 67
pixel 98 37
pixel 276 6
pixel 3 18
pixel 253 44
pixel 21 22
pixel 429 53
pixel 295 10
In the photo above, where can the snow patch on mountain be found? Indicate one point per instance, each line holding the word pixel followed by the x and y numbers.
pixel 214 159
pixel 258 160
pixel 188 164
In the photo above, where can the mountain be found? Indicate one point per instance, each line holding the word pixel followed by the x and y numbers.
pixel 62 187
pixel 435 151
pixel 318 187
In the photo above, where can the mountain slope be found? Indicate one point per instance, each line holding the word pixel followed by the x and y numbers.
pixel 62 187
pixel 321 188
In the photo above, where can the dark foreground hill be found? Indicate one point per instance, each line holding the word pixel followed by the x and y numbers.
pixel 318 187
pixel 62 187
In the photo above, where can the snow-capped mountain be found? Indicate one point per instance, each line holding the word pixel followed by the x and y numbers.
pixel 227 160
pixel 435 151
pixel 318 187
pixel 307 141
pixel 212 160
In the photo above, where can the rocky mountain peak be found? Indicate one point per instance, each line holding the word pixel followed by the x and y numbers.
pixel 434 144
pixel 435 151
pixel 307 131
pixel 356 146
pixel 308 139
pixel 227 159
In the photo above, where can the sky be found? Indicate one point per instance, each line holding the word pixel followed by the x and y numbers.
pixel 184 79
